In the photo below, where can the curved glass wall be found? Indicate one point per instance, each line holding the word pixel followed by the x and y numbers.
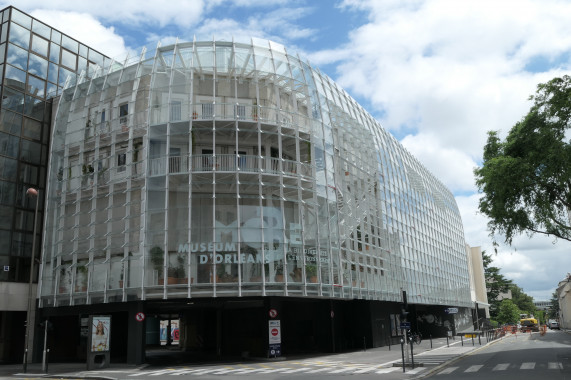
pixel 207 169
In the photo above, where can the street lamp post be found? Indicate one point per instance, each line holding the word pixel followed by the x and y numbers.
pixel 31 192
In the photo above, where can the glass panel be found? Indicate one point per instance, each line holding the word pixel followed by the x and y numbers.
pixel 40 45
pixel 36 86
pixel 17 57
pixel 69 59
pixel 21 18
pixel 14 78
pixel 19 36
pixel 10 122
pixel 32 129
pixel 34 107
pixel 30 152
pixel 13 100
pixel 38 66
pixel 8 168
pixel 8 145
pixel 41 29
pixel 56 36
pixel 69 43
pixel 7 192
pixel 54 52
pixel 52 73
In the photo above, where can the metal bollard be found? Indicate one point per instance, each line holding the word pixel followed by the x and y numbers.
pixel 462 339
pixel 411 352
pixel 402 351
pixel 430 336
pixel 447 342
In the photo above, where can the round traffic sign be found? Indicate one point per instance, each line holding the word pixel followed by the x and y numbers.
pixel 274 332
pixel 140 317
pixel 273 313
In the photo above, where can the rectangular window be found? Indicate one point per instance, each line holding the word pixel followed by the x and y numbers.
pixel 121 162
pixel 176 108
pixel 240 112
pixel 123 112
pixel 207 111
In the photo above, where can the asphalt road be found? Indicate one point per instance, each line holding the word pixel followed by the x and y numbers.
pixel 526 357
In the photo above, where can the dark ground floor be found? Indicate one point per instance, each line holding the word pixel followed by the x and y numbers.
pixel 214 329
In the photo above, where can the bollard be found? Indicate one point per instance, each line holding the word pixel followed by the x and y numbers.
pixel 462 339
pixel 447 342
pixel 480 339
pixel 411 352
pixel 389 344
pixel 364 344
pixel 402 351
pixel 472 339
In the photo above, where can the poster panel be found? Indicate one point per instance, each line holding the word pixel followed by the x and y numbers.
pixel 100 333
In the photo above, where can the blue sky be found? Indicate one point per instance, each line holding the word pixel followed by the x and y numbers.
pixel 437 74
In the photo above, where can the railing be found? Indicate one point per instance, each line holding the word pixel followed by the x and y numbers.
pixel 226 163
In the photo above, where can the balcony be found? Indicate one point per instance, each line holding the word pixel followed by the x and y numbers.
pixel 226 163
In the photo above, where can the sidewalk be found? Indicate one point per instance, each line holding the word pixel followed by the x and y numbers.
pixel 427 357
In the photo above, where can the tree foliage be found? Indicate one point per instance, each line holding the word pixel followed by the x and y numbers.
pixel 526 179
pixel 496 284
pixel 522 300
pixel 509 312
pixel 553 312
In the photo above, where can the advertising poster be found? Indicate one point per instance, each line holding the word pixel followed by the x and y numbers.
pixel 100 333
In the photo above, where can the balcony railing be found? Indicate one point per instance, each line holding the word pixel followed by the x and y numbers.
pixel 226 163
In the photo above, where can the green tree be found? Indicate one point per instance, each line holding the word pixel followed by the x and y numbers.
pixel 526 179
pixel 509 312
pixel 553 312
pixel 522 300
pixel 496 284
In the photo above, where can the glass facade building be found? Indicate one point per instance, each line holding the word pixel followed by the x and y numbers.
pixel 229 169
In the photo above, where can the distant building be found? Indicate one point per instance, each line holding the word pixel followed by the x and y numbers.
pixel 542 305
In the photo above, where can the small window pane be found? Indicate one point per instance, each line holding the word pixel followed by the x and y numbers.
pixel 40 45
pixel 8 145
pixel 15 78
pixel 63 74
pixel 38 66
pixel 7 191
pixel 28 174
pixel 54 52
pixel 32 129
pixel 8 168
pixel 31 152
pixel 10 122
pixel 34 107
pixel 19 36
pixel 69 59
pixel 41 28
pixel 36 86
pixel 13 100
pixel 83 50
pixel 69 43
pixel 17 57
pixel 21 18
pixel 52 73
pixel 56 36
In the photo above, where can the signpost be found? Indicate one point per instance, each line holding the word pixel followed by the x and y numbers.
pixel 275 338
pixel 451 310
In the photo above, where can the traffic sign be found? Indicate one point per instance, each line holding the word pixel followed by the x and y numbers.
pixel 273 313
pixel 451 310
pixel 405 325
pixel 140 317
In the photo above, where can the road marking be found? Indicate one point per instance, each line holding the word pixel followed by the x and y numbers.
pixel 501 367
pixel 416 370
pixel 390 369
pixel 554 365
pixel 474 368
pixel 319 370
pixel 295 370
pixel 367 369
pixel 448 370
pixel 527 365
pixel 342 370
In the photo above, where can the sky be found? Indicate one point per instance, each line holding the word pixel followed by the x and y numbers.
pixel 437 74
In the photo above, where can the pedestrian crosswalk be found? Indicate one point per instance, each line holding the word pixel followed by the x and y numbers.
pixel 526 366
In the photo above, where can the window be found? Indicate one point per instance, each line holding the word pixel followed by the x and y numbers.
pixel 207 111
pixel 176 106
pixel 121 162
pixel 240 112
pixel 123 112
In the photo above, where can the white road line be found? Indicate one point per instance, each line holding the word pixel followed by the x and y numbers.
pixel 390 369
pixel 554 365
pixel 319 370
pixel 367 369
pixel 225 371
pixel 448 370
pixel 528 365
pixel 416 370
pixel 206 371
pixel 474 368
pixel 501 367
pixel 343 370
pixel 296 370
